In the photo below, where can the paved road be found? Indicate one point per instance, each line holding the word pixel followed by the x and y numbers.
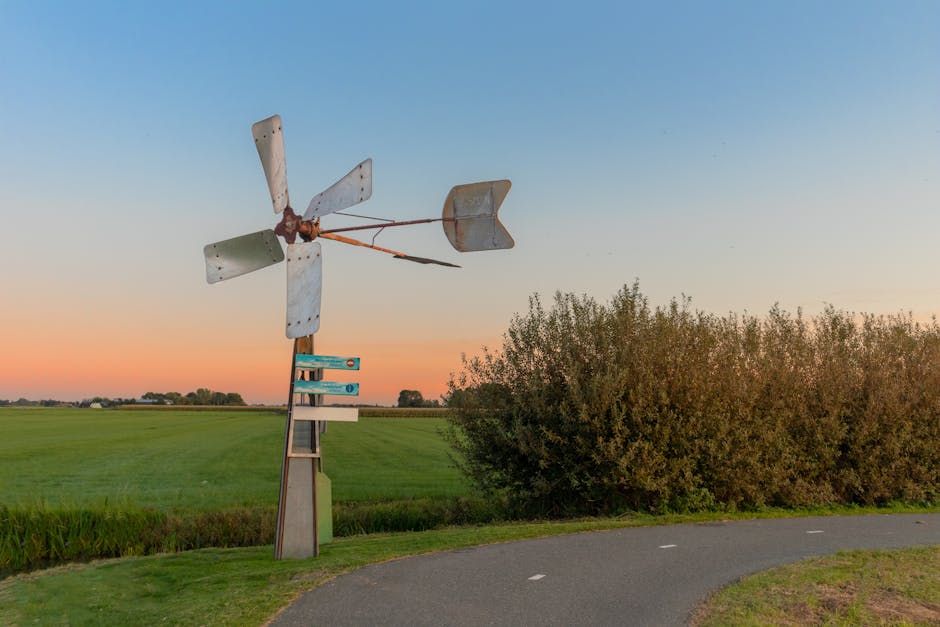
pixel 641 576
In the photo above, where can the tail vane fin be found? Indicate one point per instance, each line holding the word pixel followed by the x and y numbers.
pixel 470 216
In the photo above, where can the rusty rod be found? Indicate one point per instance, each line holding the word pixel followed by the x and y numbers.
pixel 386 224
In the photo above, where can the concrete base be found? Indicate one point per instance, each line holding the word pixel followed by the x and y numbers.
pixel 297 539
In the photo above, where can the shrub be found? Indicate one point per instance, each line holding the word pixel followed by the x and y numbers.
pixel 592 409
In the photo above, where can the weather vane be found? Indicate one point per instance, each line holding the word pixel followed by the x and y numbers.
pixel 471 223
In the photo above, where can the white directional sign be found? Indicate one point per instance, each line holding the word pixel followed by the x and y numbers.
pixel 336 414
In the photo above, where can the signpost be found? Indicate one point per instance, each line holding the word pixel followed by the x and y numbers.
pixel 304 519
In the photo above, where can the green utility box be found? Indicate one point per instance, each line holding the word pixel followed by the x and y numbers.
pixel 324 508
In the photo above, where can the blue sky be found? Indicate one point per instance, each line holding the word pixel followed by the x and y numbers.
pixel 740 153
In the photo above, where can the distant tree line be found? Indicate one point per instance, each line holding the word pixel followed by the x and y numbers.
pixel 25 402
pixel 202 396
pixel 413 398
pixel 104 401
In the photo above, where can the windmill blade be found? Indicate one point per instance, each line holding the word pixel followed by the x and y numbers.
pixel 304 284
pixel 269 140
pixel 470 216
pixel 397 255
pixel 241 255
pixel 350 190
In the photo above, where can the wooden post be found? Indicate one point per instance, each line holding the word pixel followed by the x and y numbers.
pixel 297 528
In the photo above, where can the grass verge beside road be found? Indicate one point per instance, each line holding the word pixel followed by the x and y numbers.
pixel 223 586
pixel 848 588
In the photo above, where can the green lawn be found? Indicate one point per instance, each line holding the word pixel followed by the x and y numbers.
pixel 207 460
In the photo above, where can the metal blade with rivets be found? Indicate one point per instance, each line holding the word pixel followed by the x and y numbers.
pixel 269 140
pixel 241 255
pixel 470 216
pixel 304 283
pixel 350 190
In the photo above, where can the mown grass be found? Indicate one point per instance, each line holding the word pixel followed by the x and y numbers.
pixel 207 460
pixel 848 588
pixel 165 460
pixel 387 459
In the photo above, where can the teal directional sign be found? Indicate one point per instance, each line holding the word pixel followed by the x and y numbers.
pixel 326 387
pixel 326 361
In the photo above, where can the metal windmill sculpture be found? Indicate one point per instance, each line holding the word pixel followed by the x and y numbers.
pixel 470 221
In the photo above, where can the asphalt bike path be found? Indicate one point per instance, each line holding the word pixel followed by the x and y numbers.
pixel 636 576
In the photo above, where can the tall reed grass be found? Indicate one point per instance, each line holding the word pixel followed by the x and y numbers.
pixel 38 536
pixel 415 514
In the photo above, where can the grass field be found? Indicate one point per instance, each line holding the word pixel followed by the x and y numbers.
pixel 207 460
pixel 390 458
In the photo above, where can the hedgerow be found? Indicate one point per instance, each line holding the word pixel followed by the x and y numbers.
pixel 593 408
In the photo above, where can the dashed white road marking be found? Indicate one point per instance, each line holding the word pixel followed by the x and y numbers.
pixel 816 531
pixel 536 577
pixel 668 546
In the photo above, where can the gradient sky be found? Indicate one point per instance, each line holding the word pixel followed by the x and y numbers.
pixel 741 153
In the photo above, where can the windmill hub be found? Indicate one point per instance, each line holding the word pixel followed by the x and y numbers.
pixel 292 225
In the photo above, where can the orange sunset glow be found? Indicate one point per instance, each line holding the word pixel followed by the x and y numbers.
pixel 650 148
